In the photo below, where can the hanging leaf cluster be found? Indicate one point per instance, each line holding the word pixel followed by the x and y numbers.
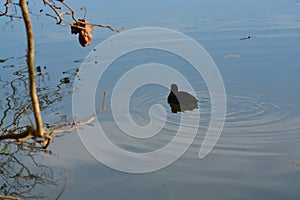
pixel 83 28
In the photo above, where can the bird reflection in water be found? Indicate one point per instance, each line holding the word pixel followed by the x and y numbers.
pixel 180 101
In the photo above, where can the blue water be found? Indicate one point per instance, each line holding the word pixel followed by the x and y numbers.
pixel 261 137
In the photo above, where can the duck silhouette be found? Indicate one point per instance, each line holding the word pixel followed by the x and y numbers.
pixel 180 101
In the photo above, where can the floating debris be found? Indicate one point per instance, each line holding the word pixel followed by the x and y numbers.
pixel 246 38
pixel 232 56
pixel 296 163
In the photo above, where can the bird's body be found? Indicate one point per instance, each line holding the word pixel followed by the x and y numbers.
pixel 180 100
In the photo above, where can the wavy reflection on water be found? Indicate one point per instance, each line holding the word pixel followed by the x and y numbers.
pixel 23 170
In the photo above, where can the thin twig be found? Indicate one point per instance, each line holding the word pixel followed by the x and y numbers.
pixel 75 125
pixel 54 8
pixel 109 27
pixel 30 132
pixel 71 9
pixel 9 197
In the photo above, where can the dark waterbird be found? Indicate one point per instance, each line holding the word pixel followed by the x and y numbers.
pixel 180 100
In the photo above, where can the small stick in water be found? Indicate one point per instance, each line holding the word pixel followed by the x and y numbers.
pixel 246 38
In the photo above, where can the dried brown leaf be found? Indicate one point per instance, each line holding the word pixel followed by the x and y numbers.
pixel 83 28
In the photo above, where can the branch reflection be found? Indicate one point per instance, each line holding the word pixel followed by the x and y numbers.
pixel 22 172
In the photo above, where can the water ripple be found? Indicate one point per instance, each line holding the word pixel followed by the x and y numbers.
pixel 259 114
pixel 255 122
pixel 251 121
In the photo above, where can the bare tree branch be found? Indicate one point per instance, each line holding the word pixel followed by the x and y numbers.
pixel 55 10
pixel 109 27
pixel 30 131
pixel 78 26
pixel 71 9
pixel 76 125
pixel 9 197
pixel 31 72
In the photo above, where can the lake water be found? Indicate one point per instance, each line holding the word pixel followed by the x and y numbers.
pixel 261 136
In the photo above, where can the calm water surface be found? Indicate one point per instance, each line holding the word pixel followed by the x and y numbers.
pixel 261 136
